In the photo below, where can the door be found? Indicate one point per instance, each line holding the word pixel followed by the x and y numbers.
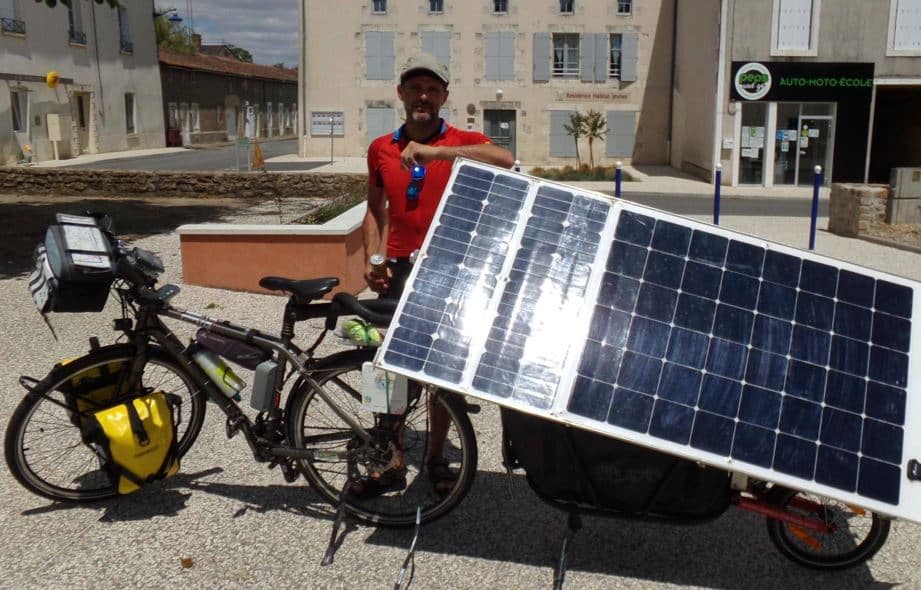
pixel 815 142
pixel 230 118
pixel 81 111
pixel 499 126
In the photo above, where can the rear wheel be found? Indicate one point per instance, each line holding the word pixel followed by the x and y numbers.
pixel 44 448
pixel 312 424
pixel 854 535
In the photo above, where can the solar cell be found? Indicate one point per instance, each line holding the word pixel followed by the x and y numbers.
pixel 662 331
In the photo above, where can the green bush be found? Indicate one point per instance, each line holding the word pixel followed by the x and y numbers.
pixel 584 172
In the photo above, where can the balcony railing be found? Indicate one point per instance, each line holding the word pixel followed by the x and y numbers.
pixel 75 36
pixel 127 46
pixel 12 25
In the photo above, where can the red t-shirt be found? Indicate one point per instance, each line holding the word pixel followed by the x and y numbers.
pixel 409 224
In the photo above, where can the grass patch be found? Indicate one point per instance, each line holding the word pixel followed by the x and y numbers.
pixel 331 209
pixel 584 172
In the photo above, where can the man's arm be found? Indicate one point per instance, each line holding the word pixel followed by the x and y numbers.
pixel 374 229
pixel 420 153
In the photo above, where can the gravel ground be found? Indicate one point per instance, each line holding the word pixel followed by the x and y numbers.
pixel 243 527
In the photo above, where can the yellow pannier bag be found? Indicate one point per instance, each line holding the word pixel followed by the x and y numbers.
pixel 136 440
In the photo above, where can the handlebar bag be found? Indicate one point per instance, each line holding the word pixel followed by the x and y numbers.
pixel 74 267
pixel 135 440
pixel 580 470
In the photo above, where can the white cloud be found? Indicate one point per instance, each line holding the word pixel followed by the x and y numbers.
pixel 265 28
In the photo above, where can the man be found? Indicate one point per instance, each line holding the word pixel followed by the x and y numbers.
pixel 396 226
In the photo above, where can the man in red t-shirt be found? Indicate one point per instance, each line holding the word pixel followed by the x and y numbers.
pixel 395 226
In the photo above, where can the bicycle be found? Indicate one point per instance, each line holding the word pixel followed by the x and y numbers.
pixel 321 431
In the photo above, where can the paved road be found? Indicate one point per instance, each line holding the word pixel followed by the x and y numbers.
pixel 702 205
pixel 210 160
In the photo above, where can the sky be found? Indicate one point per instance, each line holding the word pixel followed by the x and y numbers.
pixel 265 28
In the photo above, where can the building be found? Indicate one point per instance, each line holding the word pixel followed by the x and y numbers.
pixel 107 97
pixel 797 83
pixel 518 70
pixel 209 99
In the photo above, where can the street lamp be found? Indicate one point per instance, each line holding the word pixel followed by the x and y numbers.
pixel 174 15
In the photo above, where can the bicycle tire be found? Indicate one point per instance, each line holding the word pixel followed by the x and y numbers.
pixel 41 433
pixel 856 537
pixel 306 412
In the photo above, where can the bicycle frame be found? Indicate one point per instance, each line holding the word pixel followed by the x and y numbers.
pixel 150 326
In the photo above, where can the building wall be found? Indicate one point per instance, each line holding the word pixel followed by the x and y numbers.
pixel 98 68
pixel 219 96
pixel 334 70
pixel 693 119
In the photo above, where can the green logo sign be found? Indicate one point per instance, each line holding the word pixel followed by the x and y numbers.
pixel 753 81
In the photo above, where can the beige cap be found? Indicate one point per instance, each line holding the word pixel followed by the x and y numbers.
pixel 425 64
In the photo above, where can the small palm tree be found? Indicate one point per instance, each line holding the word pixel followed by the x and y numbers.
pixel 576 129
pixel 593 128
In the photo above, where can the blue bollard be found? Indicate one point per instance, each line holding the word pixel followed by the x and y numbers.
pixel 816 183
pixel 717 183
pixel 517 165
pixel 618 177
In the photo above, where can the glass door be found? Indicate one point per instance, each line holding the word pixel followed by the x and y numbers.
pixel 754 125
pixel 815 148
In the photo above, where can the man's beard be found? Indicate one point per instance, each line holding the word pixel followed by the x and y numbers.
pixel 422 116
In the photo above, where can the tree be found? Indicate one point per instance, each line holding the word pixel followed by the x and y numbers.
pixel 576 129
pixel 240 53
pixel 53 3
pixel 593 127
pixel 172 36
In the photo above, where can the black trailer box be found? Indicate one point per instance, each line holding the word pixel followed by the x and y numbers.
pixel 74 267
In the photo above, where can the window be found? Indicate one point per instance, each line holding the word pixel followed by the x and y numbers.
pixel 129 112
pixel 562 145
pixel 379 6
pixel 904 27
pixel 624 6
pixel 124 32
pixel 379 55
pixel 19 101
pixel 11 18
pixel 438 44
pixel 75 24
pixel 500 55
pixel 565 55
pixel 614 64
pixel 795 27
pixel 436 6
pixel 566 6
pixel 500 5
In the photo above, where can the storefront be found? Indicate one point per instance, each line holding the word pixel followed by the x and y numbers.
pixel 795 116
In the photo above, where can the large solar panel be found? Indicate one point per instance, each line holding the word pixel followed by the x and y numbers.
pixel 670 333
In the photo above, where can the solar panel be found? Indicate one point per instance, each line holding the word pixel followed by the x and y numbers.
pixel 670 333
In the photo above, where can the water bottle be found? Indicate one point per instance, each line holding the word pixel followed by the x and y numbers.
pixel 416 177
pixel 220 373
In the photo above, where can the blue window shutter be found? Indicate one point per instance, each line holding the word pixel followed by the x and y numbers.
pixel 438 45
pixel 602 51
pixel 628 57
pixel 372 53
pixel 561 144
pixel 380 122
pixel 587 57
pixel 620 135
pixel 388 57
pixel 541 63
pixel 507 55
pixel 493 55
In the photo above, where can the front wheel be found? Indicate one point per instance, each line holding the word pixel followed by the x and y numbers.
pixel 44 447
pixel 312 424
pixel 854 535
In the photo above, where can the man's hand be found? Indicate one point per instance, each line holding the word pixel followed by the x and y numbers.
pixel 375 283
pixel 419 153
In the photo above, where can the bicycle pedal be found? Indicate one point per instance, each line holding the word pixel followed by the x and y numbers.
pixel 233 425
pixel 289 472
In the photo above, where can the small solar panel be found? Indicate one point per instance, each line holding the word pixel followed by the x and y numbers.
pixel 670 333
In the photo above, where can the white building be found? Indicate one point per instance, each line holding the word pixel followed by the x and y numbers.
pixel 519 68
pixel 108 96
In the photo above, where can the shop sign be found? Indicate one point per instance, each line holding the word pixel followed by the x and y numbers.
pixel 801 81
pixel 592 95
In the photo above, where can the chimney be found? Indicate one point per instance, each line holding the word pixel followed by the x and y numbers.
pixel 196 41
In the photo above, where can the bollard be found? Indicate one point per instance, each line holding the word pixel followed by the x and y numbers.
pixel 517 165
pixel 717 183
pixel 618 176
pixel 816 183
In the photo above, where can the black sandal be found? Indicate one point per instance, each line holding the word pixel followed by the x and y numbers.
pixel 441 475
pixel 369 487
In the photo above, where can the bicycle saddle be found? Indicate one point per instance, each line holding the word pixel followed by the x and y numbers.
pixel 305 291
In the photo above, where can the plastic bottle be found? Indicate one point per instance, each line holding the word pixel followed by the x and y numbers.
pixel 220 373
